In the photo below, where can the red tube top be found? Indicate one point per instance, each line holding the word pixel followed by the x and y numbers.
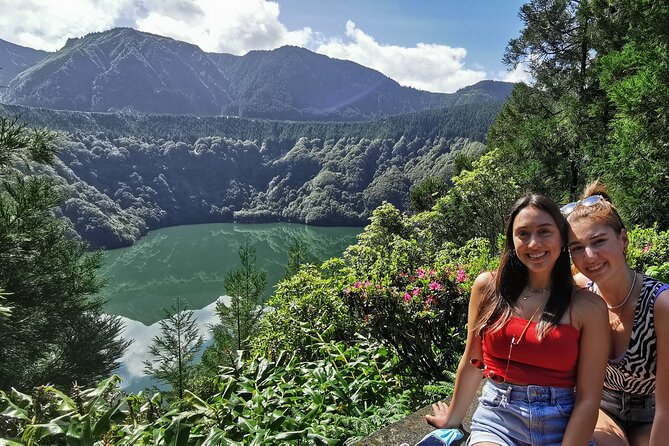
pixel 551 362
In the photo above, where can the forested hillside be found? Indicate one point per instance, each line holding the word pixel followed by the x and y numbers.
pixel 126 174
pixel 15 59
pixel 127 70
pixel 349 346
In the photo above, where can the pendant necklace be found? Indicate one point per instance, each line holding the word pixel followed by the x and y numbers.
pixel 535 291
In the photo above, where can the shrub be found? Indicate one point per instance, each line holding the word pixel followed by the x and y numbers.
pixel 647 248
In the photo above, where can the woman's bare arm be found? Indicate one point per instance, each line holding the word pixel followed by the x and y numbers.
pixel 593 320
pixel 468 377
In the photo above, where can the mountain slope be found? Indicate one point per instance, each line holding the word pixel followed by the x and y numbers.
pixel 16 58
pixel 124 69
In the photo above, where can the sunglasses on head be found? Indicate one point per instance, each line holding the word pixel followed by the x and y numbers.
pixel 586 202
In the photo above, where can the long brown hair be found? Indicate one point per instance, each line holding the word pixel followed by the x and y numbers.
pixel 499 302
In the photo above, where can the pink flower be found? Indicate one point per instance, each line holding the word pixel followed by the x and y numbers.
pixel 647 248
pixel 432 273
pixel 358 284
pixel 407 297
pixel 367 282
pixel 434 286
pixel 416 291
pixel 421 273
pixel 347 290
pixel 462 276
pixel 431 299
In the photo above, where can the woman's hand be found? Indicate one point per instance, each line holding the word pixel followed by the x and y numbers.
pixel 440 416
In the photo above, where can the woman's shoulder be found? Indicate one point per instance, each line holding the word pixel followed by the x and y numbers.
pixel 486 278
pixel 586 303
pixel 582 281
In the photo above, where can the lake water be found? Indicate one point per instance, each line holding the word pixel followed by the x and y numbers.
pixel 191 262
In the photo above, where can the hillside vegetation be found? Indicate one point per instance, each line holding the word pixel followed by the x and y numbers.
pixel 357 342
pixel 126 174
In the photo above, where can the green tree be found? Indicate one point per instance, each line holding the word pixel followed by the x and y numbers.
pixel 245 287
pixel 298 255
pixel 478 204
pixel 634 73
pixel 172 353
pixel 57 332
pixel 548 132
pixel 424 196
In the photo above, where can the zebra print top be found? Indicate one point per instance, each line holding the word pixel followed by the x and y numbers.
pixel 634 372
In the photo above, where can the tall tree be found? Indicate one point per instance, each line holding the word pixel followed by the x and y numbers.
pixel 244 286
pixel 298 255
pixel 172 353
pixel 57 332
pixel 550 130
pixel 634 73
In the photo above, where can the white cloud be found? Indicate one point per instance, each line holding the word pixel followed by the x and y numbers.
pixel 438 68
pixel 518 74
pixel 218 26
pixel 45 24
pixel 222 26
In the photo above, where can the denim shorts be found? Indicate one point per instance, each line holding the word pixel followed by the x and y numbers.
pixel 628 410
pixel 511 415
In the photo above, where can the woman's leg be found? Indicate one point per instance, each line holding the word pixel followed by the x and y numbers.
pixel 608 432
pixel 640 436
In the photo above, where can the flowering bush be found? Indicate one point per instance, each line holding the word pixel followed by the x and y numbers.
pixel 647 248
pixel 421 313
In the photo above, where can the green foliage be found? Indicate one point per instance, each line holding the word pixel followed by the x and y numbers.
pixel 172 353
pixel 478 203
pixel 239 318
pixel 308 301
pixel 298 255
pixel 424 196
pixel 634 74
pixel 647 248
pixel 347 390
pixel 57 332
pixel 245 286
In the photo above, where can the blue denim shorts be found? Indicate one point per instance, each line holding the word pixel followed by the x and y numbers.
pixel 628 410
pixel 511 415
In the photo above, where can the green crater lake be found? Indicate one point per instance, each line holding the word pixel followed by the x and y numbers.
pixel 191 262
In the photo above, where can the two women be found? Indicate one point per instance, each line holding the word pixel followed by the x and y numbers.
pixel 536 337
pixel 635 404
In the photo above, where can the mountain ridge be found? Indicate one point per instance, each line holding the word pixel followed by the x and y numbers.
pixel 128 70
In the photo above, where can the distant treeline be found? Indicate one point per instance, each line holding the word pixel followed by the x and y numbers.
pixel 124 174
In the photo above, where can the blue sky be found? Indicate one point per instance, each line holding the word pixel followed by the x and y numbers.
pixel 482 27
pixel 435 45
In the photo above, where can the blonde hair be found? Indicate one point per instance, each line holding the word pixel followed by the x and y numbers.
pixel 602 212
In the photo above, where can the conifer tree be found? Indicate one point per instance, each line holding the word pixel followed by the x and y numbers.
pixel 173 351
pixel 245 286
pixel 57 332
pixel 298 255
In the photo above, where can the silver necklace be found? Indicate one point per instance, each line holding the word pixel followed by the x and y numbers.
pixel 629 293
pixel 535 291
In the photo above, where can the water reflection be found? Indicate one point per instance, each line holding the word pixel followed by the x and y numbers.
pixel 132 369
pixel 191 262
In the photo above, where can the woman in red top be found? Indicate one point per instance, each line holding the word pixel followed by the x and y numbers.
pixel 528 335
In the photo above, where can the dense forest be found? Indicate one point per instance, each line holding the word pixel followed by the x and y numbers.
pixel 126 174
pixel 125 70
pixel 346 347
